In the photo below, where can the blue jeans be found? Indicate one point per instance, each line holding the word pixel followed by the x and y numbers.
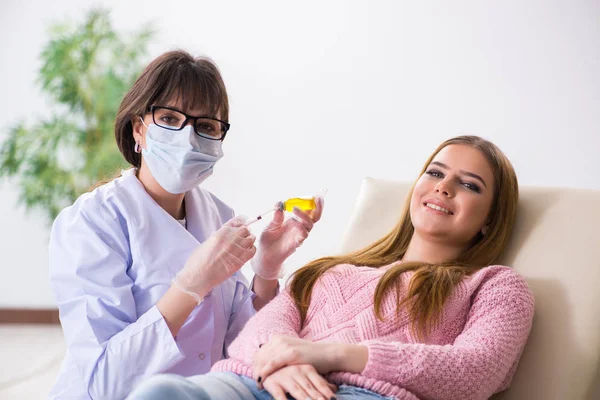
pixel 223 385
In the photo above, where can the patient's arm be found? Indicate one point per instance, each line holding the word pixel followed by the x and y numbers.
pixel 480 361
pixel 325 357
pixel 279 317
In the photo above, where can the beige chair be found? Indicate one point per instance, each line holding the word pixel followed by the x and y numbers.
pixel 556 247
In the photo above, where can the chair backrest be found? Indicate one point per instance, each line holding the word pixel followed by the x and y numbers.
pixel 556 247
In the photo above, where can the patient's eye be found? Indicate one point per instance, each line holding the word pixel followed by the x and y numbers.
pixel 435 173
pixel 472 186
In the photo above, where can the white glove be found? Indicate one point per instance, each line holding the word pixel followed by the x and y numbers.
pixel 215 260
pixel 280 239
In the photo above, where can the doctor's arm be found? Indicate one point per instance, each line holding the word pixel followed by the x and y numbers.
pixel 113 346
pixel 277 242
pixel 265 291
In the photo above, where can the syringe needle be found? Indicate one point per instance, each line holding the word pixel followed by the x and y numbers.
pixel 259 217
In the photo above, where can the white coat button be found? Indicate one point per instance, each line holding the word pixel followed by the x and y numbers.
pixel 201 356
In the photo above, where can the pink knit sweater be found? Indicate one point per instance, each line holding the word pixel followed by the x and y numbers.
pixel 471 354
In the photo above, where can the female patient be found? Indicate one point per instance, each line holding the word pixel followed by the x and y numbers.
pixel 420 314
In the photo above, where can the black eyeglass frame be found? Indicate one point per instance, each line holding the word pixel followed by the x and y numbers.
pixel 226 125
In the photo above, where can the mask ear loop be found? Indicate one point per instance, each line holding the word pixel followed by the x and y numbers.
pixel 137 148
pixel 142 121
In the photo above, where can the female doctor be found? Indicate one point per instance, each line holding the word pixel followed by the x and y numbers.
pixel 145 268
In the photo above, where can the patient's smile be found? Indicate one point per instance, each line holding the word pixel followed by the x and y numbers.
pixel 438 208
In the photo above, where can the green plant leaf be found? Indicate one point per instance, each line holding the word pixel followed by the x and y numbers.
pixel 86 70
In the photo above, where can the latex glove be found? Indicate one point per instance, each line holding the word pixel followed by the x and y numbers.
pixel 217 259
pixel 280 239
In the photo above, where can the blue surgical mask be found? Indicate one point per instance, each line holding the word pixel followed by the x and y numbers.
pixel 180 160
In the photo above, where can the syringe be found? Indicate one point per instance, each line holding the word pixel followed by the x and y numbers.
pixel 303 203
pixel 259 217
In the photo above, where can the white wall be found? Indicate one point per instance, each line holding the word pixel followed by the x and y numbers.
pixel 324 93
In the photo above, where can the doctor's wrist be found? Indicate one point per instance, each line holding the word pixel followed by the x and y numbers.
pixel 198 295
pixel 266 272
pixel 265 290
pixel 176 306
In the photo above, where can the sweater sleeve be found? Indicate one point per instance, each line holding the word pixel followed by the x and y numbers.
pixel 482 359
pixel 279 317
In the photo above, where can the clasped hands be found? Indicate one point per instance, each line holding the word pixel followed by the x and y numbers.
pixel 296 366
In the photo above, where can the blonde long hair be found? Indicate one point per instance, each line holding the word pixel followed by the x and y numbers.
pixel 430 285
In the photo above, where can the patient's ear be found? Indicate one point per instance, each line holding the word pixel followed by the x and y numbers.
pixel 484 229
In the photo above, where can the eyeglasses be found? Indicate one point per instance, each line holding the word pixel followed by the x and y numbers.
pixel 175 120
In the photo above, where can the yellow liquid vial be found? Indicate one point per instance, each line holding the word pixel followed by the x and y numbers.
pixel 304 204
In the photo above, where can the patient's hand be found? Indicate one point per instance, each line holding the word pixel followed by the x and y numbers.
pixel 282 351
pixel 326 357
pixel 301 382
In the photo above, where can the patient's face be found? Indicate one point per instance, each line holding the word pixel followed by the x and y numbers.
pixel 452 199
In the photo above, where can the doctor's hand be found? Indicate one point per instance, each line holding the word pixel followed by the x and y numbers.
pixel 281 238
pixel 215 260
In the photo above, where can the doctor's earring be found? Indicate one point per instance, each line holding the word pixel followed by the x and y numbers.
pixel 137 148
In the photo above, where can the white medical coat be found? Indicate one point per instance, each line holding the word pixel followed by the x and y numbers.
pixel 113 254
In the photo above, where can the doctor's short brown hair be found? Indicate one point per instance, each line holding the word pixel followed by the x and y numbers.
pixel 195 82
